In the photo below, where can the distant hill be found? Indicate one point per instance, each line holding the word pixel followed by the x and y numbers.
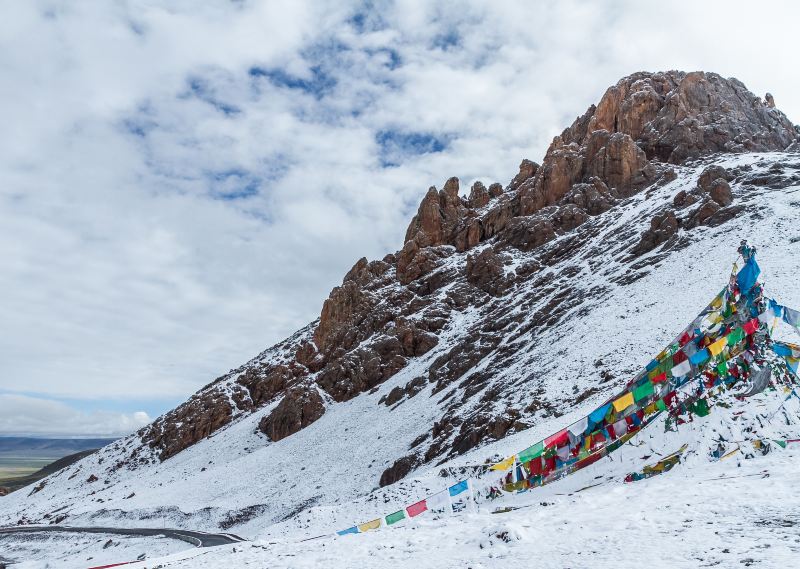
pixel 49 448
pixel 8 485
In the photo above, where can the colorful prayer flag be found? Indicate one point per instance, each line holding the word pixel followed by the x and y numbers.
pixel 716 348
pixel 439 501
pixel 531 452
pixel 395 517
pixel 735 337
pixel 353 529
pixel 643 391
pixel 623 402
pixel 750 326
pixel 580 427
pixel 748 276
pixel 661 405
pixel 457 489
pixel 599 414
pixel 374 524
pixel 683 368
pixel 505 464
pixel 558 439
pixel 791 316
pixel 700 356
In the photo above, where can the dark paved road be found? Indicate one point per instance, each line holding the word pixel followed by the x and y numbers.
pixel 196 538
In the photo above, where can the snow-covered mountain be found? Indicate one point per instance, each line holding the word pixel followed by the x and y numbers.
pixel 507 314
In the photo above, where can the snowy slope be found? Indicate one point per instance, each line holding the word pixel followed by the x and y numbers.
pixel 238 479
pixel 741 510
pixel 717 516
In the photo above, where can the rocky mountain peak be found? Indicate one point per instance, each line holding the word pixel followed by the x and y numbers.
pixel 459 253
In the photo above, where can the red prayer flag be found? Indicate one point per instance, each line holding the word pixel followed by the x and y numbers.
pixel 549 465
pixel 535 466
pixel 417 509
pixel 557 440
pixel 679 357
pixel 660 378
pixel 684 339
pixel 750 326
pixel 588 460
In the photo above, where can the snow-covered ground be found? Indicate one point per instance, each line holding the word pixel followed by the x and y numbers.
pixel 735 512
pixel 67 551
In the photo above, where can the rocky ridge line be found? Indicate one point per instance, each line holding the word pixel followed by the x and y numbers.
pixel 385 313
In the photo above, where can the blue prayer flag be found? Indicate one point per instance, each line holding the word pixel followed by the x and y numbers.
pixel 599 414
pixel 353 529
pixel 748 276
pixel 457 489
pixel 782 350
pixel 700 356
pixel 652 365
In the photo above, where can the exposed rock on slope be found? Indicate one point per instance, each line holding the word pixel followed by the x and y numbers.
pixel 384 314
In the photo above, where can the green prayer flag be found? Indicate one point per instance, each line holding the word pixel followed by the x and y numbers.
pixel 661 405
pixel 780 443
pixel 700 408
pixel 722 369
pixel 735 337
pixel 395 517
pixel 643 391
pixel 532 452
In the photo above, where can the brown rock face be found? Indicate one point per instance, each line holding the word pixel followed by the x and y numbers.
pixel 486 271
pixel 675 115
pixel 527 170
pixel 662 227
pixel 298 409
pixel 203 414
pixel 398 470
pixel 438 216
pixel 478 195
pixel 614 159
pixel 385 313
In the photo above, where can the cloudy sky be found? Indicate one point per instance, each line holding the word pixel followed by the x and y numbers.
pixel 182 182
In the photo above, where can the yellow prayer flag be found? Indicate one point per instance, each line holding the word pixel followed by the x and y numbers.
pixel 374 524
pixel 504 465
pixel 717 347
pixel 623 402
pixel 650 409
pixel 717 302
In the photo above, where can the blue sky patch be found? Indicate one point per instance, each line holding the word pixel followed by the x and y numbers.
pixel 200 89
pixel 395 146
pixel 233 184
pixel 318 84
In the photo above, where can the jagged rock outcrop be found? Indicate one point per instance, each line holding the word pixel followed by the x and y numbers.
pixel 675 115
pixel 203 414
pixel 386 313
pixel 297 410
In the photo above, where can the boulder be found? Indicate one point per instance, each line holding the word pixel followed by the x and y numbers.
pixel 721 193
pixel 711 174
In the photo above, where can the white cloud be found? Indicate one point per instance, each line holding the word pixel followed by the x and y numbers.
pixel 128 270
pixel 23 415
